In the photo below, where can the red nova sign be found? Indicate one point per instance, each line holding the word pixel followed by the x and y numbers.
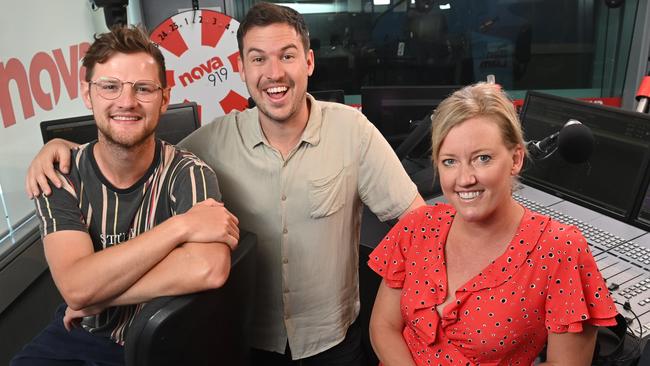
pixel 28 81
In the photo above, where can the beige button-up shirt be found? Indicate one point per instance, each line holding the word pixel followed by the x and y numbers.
pixel 306 212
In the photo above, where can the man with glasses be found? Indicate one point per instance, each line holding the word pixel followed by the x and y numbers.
pixel 297 173
pixel 128 188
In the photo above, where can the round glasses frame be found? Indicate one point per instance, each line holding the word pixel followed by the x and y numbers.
pixel 112 88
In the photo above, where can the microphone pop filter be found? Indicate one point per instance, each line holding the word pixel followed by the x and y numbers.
pixel 576 142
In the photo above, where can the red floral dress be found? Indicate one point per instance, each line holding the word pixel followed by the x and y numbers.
pixel 545 281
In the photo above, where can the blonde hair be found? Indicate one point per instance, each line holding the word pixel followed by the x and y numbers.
pixel 478 100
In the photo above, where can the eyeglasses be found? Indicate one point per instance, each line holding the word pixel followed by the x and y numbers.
pixel 111 88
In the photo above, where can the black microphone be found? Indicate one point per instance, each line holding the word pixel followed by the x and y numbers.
pixel 574 142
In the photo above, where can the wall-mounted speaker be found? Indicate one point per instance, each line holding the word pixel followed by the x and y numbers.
pixel 114 11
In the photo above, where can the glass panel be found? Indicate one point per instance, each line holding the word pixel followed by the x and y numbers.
pixel 6 229
pixel 583 49
pixel 39 79
pixel 15 207
pixel 614 44
pixel 4 216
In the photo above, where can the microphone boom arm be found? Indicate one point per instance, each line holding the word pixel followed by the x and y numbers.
pixel 540 150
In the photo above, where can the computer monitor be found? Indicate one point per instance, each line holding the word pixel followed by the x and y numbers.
pixel 336 95
pixel 392 108
pixel 177 122
pixel 610 180
pixel 642 211
pixel 76 129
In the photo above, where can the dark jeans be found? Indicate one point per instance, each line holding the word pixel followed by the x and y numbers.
pixel 56 346
pixel 346 353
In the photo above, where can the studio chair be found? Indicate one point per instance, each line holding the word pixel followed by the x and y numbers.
pixel 176 123
pixel 206 328
pixel 415 154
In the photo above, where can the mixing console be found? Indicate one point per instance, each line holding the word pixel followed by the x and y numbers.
pixel 623 256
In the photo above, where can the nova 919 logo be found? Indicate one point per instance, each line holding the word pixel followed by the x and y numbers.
pixel 200 49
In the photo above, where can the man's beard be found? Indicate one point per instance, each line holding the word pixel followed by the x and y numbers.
pixel 265 110
pixel 125 142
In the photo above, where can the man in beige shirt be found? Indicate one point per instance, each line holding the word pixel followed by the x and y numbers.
pixel 297 172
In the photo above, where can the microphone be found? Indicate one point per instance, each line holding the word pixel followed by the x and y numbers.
pixel 574 141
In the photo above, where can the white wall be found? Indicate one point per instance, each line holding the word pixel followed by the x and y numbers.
pixel 43 37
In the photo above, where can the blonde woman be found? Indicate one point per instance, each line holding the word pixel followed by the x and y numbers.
pixel 482 279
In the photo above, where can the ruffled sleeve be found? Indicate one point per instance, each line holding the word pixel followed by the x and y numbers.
pixel 577 292
pixel 387 260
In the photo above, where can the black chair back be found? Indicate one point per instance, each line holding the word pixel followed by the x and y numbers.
pixel 206 328
pixel 175 124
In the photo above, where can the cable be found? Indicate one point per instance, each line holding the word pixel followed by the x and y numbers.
pixel 635 352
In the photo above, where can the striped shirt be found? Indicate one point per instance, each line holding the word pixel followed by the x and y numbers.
pixel 87 201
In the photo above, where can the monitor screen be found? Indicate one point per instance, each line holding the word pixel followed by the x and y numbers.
pixel 392 108
pixel 643 216
pixel 177 122
pixel 77 129
pixel 336 95
pixel 610 180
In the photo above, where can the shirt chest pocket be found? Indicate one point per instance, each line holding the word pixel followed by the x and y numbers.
pixel 327 193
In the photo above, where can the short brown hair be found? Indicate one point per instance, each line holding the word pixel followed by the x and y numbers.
pixel 478 100
pixel 123 39
pixel 263 14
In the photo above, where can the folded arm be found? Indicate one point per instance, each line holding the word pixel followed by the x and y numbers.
pixel 192 267
pixel 87 278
